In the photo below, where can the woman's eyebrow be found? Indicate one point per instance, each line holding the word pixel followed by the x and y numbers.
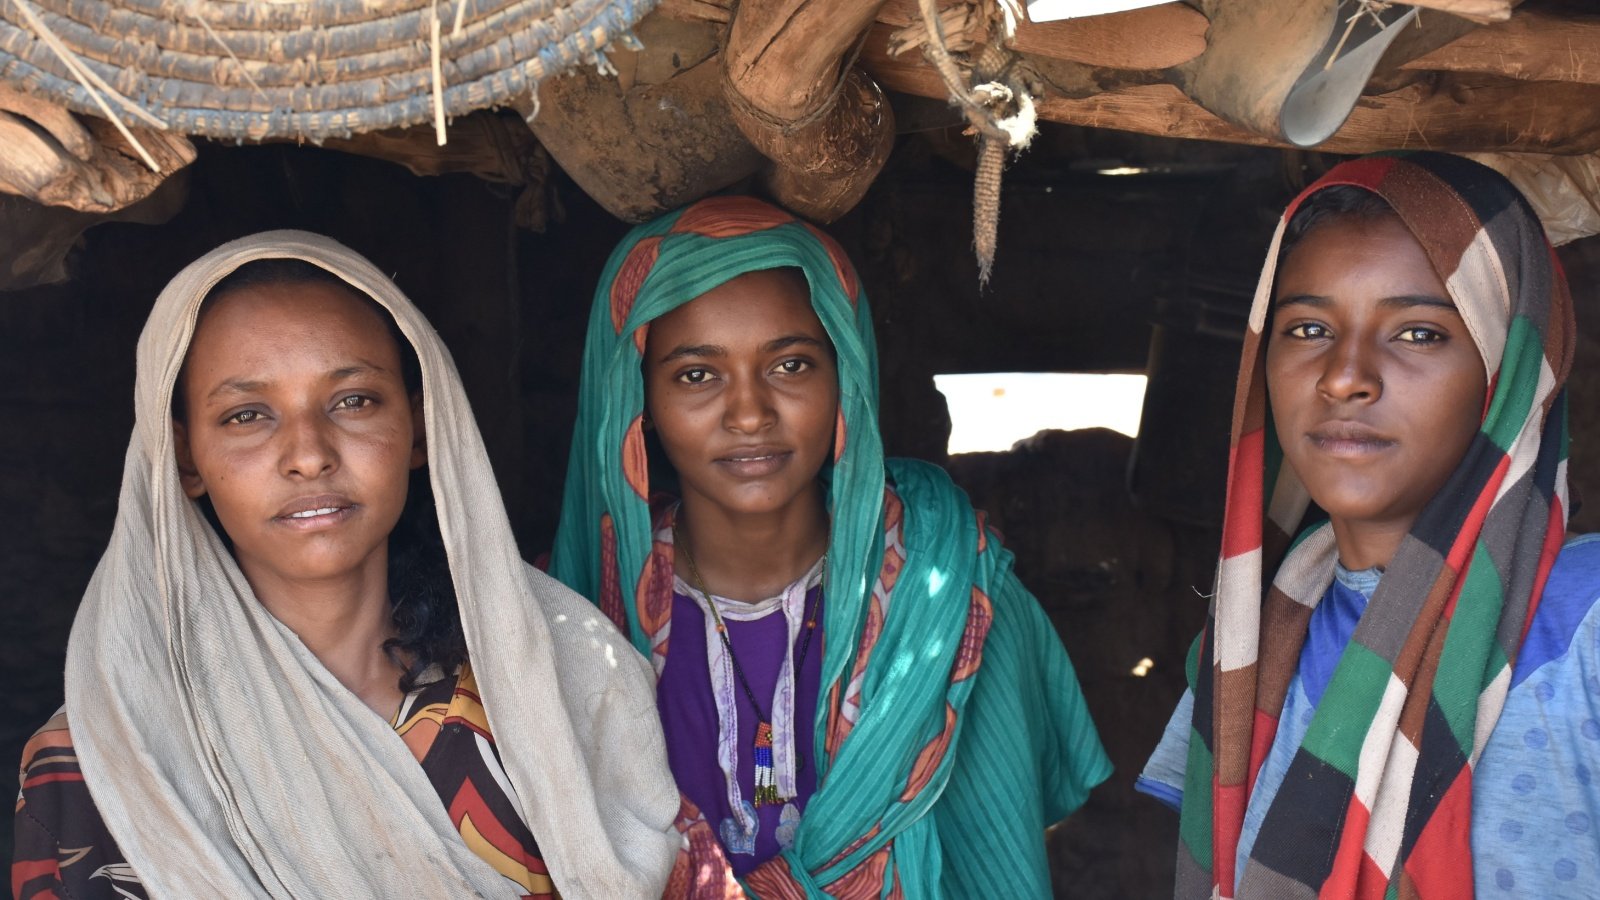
pixel 1399 301
pixel 790 340
pixel 360 367
pixel 251 386
pixel 1315 300
pixel 236 386
pixel 1406 301
pixel 693 350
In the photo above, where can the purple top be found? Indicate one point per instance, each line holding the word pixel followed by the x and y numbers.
pixel 689 717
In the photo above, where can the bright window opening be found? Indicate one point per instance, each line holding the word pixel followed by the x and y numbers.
pixel 993 410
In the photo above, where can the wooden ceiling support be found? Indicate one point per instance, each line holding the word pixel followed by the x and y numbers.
pixel 1538 44
pixel 775 88
pixel 1154 37
pixel 653 147
pixel 1476 10
pixel 1459 113
pixel 795 94
pixel 37 238
pixel 1530 84
pixel 81 162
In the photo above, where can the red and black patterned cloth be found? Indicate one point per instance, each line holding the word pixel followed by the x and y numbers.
pixel 63 848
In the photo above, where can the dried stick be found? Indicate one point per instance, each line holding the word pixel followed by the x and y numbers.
pixel 438 80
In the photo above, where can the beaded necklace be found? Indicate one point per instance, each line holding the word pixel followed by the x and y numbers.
pixel 766 778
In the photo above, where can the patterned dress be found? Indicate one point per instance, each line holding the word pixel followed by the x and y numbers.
pixel 702 738
pixel 63 848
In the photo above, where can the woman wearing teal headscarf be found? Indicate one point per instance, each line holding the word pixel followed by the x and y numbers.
pixel 860 698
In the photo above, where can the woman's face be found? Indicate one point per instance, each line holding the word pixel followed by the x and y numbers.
pixel 743 391
pixel 300 429
pixel 1376 386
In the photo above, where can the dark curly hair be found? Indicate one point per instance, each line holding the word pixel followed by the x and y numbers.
pixel 422 596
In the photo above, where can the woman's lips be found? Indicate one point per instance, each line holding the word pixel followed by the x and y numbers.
pixel 1350 440
pixel 754 462
pixel 316 513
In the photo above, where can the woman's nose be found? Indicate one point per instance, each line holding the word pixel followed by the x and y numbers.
pixel 1350 372
pixel 308 451
pixel 750 408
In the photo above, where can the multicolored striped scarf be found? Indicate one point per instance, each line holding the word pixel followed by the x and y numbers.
pixel 1377 801
pixel 913 583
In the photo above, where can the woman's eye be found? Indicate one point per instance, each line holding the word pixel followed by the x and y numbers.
pixel 694 376
pixel 354 401
pixel 1308 330
pixel 793 366
pixel 242 417
pixel 1420 336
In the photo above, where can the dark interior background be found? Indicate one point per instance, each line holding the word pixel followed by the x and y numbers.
pixel 1145 272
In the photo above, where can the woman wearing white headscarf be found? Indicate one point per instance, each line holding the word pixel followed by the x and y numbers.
pixel 222 742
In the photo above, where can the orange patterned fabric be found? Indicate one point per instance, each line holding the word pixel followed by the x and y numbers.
pixel 626 288
pixel 63 849
pixel 842 269
pixel 929 759
pixel 635 464
pixel 725 217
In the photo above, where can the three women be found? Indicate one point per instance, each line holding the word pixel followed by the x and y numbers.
pixel 858 697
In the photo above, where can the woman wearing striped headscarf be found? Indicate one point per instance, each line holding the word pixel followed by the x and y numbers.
pixel 1392 696
pixel 859 697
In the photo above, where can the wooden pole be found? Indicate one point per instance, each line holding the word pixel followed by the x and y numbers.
pixel 796 96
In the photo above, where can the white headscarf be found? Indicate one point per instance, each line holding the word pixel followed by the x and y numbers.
pixel 227 761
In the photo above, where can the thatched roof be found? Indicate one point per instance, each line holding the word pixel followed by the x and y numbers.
pixel 144 76
pixel 258 69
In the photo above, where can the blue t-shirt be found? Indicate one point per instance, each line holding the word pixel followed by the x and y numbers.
pixel 1536 789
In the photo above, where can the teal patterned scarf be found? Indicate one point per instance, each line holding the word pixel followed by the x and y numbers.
pixel 923 728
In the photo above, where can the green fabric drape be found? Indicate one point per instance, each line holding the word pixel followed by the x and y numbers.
pixel 951 729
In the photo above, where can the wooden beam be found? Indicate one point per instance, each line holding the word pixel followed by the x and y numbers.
pixel 1159 109
pixel 55 158
pixel 718 11
pixel 494 146
pixel 1535 45
pixel 1476 10
pixel 643 151
pixel 796 96
pixel 783 55
pixel 37 238
pixel 1151 38
pixel 1463 117
pixel 1453 113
